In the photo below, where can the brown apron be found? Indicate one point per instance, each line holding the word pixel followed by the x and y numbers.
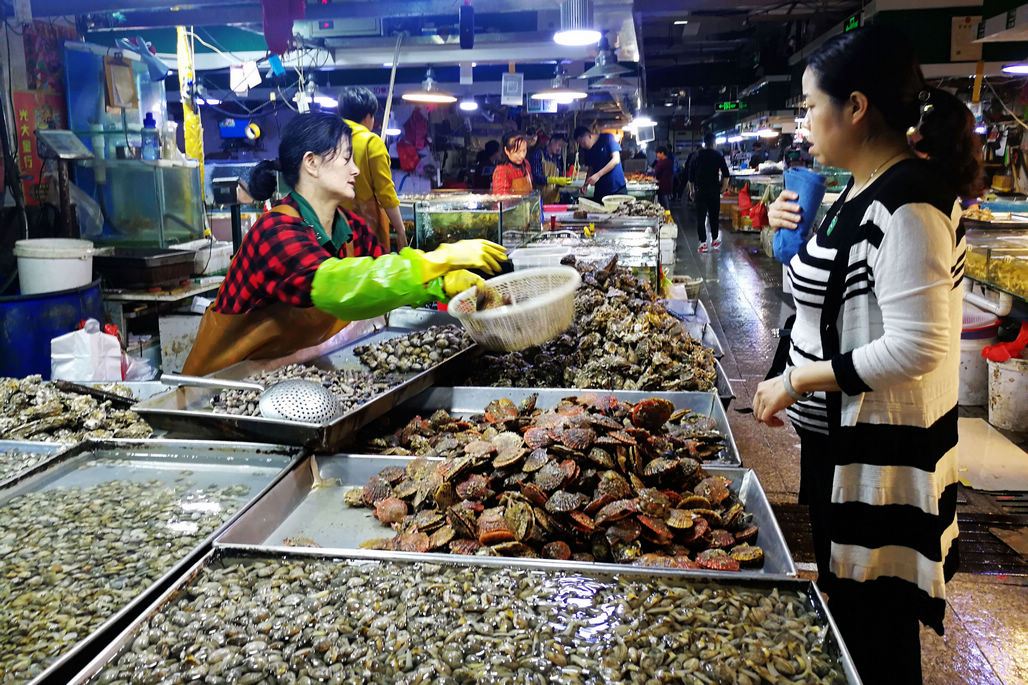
pixel 521 186
pixel 273 331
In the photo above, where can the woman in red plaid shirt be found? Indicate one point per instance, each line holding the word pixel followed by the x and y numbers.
pixel 513 176
pixel 308 267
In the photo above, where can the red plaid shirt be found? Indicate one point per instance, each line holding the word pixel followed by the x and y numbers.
pixel 277 260
pixel 505 174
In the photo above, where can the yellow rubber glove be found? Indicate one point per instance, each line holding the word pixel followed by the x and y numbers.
pixel 456 282
pixel 463 254
pixel 558 180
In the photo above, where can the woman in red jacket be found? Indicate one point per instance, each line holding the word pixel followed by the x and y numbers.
pixel 513 176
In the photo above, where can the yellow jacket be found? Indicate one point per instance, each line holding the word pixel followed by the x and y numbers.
pixel 370 150
pixel 375 182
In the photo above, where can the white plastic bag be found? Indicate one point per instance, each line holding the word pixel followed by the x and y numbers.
pixel 87 354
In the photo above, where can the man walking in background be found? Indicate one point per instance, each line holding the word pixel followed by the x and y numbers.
pixel 708 179
pixel 664 170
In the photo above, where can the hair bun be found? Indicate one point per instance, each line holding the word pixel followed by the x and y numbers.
pixel 264 179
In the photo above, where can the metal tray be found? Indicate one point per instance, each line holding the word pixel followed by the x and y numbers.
pixel 465 400
pixel 421 318
pixel 184 412
pixel 224 555
pixel 142 267
pixel 220 463
pixel 293 510
pixel 52 448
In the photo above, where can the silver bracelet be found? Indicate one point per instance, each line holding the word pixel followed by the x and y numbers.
pixel 787 382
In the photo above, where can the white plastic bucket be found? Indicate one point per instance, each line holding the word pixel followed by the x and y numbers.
pixel 979 330
pixel 1008 394
pixel 47 265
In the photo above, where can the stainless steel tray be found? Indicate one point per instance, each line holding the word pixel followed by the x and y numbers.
pixel 466 400
pixel 292 509
pixel 224 555
pixel 184 412
pixel 51 448
pixel 417 319
pixel 220 463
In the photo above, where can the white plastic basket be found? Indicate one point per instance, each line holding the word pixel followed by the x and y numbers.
pixel 542 307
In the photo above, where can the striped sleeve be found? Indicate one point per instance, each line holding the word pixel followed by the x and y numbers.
pixel 912 273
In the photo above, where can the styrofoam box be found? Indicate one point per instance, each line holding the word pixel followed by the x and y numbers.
pixel 209 258
pixel 669 230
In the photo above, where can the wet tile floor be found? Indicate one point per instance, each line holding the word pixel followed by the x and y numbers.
pixel 986 625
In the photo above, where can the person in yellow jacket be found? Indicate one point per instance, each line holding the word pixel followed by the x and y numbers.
pixel 308 266
pixel 375 200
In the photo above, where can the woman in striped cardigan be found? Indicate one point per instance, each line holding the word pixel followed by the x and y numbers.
pixel 871 386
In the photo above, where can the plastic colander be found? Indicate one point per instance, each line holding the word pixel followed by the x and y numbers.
pixel 542 307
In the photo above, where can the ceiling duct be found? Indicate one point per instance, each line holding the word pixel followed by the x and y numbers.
pixel 606 63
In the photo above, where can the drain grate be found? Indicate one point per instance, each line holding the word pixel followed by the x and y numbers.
pixel 1012 503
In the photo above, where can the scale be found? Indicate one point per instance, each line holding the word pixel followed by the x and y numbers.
pixel 63 147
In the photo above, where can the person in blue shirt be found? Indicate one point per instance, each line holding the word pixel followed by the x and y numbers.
pixel 602 154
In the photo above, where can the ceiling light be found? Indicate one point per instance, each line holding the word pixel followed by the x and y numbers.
pixel 468 104
pixel 643 120
pixel 681 22
pixel 559 91
pixel 429 92
pixel 208 101
pixel 734 139
pixel 606 63
pixel 720 140
pixel 980 130
pixel 393 131
pixel 576 24
pixel 750 134
pixel 326 101
pixel 768 133
pixel 577 37
pixel 1020 68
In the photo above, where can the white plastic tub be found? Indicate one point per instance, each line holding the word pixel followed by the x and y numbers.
pixel 1008 394
pixel 47 265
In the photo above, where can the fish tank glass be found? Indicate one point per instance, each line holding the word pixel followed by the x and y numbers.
pixel 999 259
pixel 448 217
pixel 147 204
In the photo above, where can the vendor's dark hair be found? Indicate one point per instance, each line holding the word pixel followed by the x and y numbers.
pixel 894 85
pixel 558 136
pixel 511 139
pixel 317 132
pixel 582 132
pixel 357 102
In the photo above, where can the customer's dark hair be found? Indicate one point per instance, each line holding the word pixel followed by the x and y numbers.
pixel 661 150
pixel 511 139
pixel 709 138
pixel 558 136
pixel 894 85
pixel 582 132
pixel 357 102
pixel 317 132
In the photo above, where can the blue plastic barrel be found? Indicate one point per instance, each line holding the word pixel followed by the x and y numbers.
pixel 28 322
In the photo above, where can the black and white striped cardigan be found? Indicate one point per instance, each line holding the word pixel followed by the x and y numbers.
pixel 887 314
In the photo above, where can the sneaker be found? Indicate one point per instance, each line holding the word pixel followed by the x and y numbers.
pixel 716 245
pixel 703 248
